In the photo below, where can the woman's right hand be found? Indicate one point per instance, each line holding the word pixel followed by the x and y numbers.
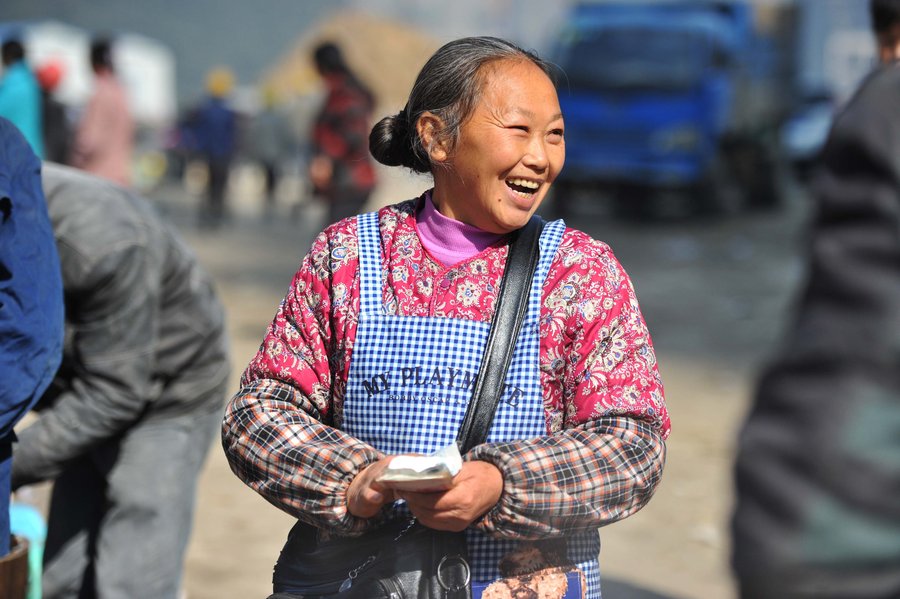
pixel 366 496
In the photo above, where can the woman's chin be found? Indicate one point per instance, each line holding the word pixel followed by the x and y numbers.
pixel 516 202
pixel 522 210
pixel 514 220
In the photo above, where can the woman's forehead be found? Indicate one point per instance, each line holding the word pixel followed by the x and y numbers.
pixel 518 86
pixel 503 66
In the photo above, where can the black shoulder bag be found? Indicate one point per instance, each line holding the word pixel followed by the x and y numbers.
pixel 407 560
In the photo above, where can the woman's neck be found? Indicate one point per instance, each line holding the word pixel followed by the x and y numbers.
pixel 449 240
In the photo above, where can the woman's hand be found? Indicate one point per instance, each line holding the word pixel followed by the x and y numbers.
pixel 476 489
pixel 366 496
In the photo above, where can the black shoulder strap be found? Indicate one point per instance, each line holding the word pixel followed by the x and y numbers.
pixel 509 313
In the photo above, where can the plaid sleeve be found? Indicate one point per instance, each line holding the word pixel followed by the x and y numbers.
pixel 276 444
pixel 279 431
pixel 578 479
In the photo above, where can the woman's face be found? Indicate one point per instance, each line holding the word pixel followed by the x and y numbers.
pixel 508 153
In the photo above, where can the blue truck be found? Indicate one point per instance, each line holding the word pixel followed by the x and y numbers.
pixel 671 107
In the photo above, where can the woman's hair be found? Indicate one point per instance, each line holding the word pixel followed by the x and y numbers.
pixel 885 14
pixel 13 51
pixel 101 53
pixel 448 86
pixel 329 60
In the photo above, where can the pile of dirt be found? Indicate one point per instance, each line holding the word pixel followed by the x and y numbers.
pixel 385 55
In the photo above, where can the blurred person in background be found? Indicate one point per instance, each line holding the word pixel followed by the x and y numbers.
pixel 213 132
pixel 56 126
pixel 104 138
pixel 31 303
pixel 124 429
pixel 340 168
pixel 818 464
pixel 20 96
pixel 271 144
pixel 412 288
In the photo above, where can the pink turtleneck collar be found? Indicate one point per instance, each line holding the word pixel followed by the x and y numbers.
pixel 448 240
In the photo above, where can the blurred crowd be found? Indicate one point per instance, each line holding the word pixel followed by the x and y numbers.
pixel 228 128
pixel 99 139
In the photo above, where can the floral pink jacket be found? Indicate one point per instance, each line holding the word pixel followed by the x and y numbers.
pixel 603 398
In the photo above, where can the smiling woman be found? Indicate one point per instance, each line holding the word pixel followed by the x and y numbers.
pixel 578 439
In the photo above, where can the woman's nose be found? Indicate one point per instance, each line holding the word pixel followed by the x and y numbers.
pixel 536 156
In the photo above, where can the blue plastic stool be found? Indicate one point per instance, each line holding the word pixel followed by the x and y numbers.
pixel 27 521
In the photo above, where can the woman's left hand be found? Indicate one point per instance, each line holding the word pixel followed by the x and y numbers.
pixel 476 489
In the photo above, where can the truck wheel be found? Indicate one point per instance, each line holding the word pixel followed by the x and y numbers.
pixel 718 193
pixel 758 173
pixel 764 192
pixel 558 203
pixel 669 204
pixel 572 200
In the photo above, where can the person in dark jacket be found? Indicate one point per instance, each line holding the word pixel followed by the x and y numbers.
pixel 213 129
pixel 125 427
pixel 818 465
pixel 57 128
pixel 340 169
pixel 31 299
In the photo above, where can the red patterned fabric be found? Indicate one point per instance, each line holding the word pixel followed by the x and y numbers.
pixel 341 132
pixel 596 353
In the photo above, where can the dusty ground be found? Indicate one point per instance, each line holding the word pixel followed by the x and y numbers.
pixel 714 295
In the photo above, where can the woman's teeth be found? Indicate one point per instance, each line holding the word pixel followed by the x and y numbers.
pixel 523 187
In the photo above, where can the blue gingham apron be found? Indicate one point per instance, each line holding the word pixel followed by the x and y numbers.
pixel 411 378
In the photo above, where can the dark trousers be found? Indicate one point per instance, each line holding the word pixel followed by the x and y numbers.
pixel 120 517
pixel 214 210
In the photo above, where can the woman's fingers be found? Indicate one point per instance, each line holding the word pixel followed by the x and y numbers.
pixel 476 489
pixel 365 497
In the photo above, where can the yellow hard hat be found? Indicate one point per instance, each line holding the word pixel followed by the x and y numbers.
pixel 219 81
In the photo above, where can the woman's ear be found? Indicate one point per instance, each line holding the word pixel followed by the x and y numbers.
pixel 429 128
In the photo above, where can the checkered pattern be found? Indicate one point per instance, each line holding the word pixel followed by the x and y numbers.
pixel 410 382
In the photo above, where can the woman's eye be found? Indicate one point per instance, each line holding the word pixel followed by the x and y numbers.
pixel 556 134
pixel 520 128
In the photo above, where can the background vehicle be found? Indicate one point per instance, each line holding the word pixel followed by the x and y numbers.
pixel 673 108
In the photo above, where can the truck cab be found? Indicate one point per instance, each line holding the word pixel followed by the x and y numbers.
pixel 650 93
